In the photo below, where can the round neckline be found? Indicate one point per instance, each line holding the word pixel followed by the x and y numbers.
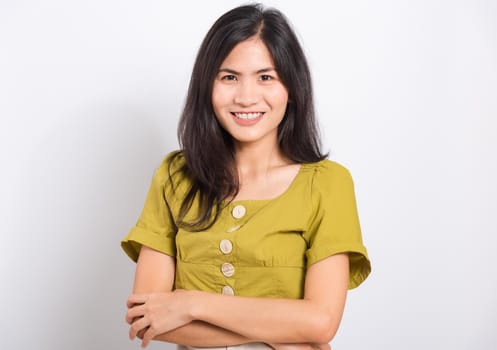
pixel 282 194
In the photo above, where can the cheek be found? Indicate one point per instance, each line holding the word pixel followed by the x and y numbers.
pixel 220 96
pixel 215 97
pixel 278 98
pixel 218 103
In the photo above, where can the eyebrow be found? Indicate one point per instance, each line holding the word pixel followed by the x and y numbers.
pixel 232 71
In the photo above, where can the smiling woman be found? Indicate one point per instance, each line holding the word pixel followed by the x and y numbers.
pixel 248 92
pixel 249 237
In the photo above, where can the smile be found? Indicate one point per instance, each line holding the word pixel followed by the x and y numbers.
pixel 248 116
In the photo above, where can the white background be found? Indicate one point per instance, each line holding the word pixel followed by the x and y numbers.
pixel 406 91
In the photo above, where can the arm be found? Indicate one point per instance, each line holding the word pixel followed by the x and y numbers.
pixel 155 274
pixel 314 319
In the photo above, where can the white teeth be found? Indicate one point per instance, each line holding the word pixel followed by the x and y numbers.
pixel 247 115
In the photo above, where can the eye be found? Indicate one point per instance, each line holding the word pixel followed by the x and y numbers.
pixel 266 77
pixel 229 77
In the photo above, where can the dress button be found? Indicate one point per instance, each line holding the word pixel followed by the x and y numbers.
pixel 226 246
pixel 238 211
pixel 227 269
pixel 227 290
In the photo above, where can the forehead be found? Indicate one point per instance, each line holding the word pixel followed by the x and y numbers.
pixel 251 54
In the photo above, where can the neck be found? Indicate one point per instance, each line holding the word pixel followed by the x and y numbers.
pixel 254 160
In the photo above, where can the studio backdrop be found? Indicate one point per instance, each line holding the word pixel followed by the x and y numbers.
pixel 406 96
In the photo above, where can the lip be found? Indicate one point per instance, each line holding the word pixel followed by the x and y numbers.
pixel 247 118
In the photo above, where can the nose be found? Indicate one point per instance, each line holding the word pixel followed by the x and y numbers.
pixel 247 93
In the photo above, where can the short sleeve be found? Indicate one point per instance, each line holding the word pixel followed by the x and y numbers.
pixel 335 226
pixel 155 227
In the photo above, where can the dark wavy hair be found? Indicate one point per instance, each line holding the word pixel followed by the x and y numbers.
pixel 207 148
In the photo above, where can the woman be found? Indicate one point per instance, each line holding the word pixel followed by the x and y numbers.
pixel 248 235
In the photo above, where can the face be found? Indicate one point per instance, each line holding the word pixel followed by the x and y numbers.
pixel 248 97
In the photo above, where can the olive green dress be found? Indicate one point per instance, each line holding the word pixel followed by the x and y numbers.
pixel 258 248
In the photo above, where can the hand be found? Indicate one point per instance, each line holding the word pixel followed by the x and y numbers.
pixel 300 346
pixel 152 314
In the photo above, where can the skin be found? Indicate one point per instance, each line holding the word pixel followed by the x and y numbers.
pixel 247 82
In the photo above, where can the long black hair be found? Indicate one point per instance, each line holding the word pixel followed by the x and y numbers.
pixel 208 150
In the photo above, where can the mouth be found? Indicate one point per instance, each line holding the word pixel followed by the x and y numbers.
pixel 248 115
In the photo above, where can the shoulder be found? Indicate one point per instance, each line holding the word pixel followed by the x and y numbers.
pixel 330 181
pixel 326 173
pixel 170 175
pixel 171 165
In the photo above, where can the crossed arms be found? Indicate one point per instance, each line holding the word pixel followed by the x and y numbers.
pixel 206 319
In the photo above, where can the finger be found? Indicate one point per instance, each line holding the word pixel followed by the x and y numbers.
pixel 129 320
pixel 147 337
pixel 130 305
pixel 133 320
pixel 137 326
pixel 141 333
pixel 134 313
pixel 136 299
